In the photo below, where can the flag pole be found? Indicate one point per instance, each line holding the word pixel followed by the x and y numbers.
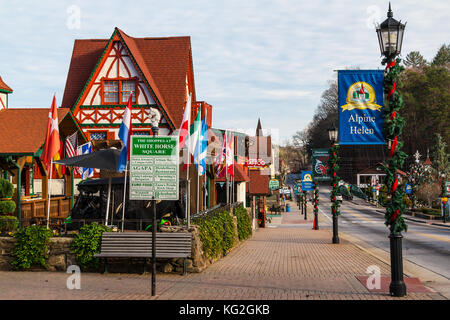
pixel 188 189
pixel 226 166
pixel 49 192
pixel 124 194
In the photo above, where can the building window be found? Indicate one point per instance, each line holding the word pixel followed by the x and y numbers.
pixel 127 88
pixel 141 133
pixel 118 91
pixel 111 94
pixel 98 135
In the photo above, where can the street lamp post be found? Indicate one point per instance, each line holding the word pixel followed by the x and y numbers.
pixel 390 37
pixel 333 135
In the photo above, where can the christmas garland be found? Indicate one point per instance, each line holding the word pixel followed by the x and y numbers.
pixel 393 125
pixel 316 204
pixel 334 179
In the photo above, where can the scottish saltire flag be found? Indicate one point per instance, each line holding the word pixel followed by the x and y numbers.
pixel 85 149
pixel 361 107
pixel 124 135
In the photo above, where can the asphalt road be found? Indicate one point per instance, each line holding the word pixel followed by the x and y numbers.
pixel 423 244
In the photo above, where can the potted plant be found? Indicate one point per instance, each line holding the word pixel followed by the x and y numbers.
pixel 8 222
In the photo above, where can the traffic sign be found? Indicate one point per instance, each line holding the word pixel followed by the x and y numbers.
pixel 154 169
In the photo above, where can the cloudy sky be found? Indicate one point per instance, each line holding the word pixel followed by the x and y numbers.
pixel 252 59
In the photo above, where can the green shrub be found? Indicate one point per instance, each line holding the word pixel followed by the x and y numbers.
pixel 8 223
pixel 7 206
pixel 407 201
pixel 87 243
pixel 31 248
pixel 6 188
pixel 217 233
pixel 244 223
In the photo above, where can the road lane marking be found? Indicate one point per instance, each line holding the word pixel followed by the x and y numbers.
pixel 432 236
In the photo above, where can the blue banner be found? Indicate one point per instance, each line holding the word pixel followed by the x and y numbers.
pixel 307 181
pixel 361 107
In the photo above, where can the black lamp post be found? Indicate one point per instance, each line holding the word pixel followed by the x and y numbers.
pixel 333 135
pixel 390 37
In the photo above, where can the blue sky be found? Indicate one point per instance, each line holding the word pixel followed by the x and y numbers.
pixel 252 59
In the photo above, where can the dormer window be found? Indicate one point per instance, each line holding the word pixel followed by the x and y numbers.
pixel 117 91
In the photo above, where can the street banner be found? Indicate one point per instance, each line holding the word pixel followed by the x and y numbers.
pixel 321 169
pixel 361 107
pixel 447 187
pixel 154 170
pixel 307 181
pixel 409 189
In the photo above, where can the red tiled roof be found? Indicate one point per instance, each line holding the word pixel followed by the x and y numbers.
pixel 24 130
pixel 164 63
pixel 239 175
pixel 85 56
pixel 4 86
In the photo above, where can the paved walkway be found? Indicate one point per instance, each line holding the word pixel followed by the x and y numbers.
pixel 285 261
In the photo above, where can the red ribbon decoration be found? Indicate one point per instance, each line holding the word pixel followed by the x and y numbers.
pixel 392 91
pixel 394 186
pixel 393 114
pixel 394 145
pixel 390 64
pixel 394 216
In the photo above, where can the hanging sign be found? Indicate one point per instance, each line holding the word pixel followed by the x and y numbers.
pixel 307 181
pixel 154 170
pixel 321 168
pixel 274 184
pixel 361 107
pixel 409 189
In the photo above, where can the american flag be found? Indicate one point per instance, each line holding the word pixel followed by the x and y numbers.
pixel 71 148
pixel 72 145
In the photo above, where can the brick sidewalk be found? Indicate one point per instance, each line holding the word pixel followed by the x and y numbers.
pixel 281 262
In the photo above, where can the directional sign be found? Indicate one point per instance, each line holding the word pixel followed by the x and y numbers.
pixel 154 170
pixel 307 181
pixel 274 184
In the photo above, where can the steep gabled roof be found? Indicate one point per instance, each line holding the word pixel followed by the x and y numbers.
pixel 163 63
pixel 24 129
pixel 4 86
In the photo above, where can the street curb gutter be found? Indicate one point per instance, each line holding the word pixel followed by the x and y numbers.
pixel 436 282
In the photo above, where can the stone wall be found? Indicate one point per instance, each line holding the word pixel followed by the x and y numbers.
pixel 60 255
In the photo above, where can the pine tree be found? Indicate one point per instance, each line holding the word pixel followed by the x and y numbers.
pixel 442 57
pixel 415 60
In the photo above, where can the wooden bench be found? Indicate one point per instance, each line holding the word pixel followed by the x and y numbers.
pixel 139 245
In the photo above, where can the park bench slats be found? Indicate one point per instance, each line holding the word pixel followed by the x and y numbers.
pixel 139 245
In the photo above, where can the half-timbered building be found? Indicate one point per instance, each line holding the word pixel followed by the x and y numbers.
pixel 104 72
pixel 5 90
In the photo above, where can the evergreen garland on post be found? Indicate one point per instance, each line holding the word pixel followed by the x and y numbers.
pixel 393 125
pixel 316 205
pixel 334 179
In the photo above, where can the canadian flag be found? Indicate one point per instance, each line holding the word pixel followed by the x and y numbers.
pixel 52 142
pixel 184 130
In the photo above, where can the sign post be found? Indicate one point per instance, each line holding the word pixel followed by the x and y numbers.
pixel 307 185
pixel 154 175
